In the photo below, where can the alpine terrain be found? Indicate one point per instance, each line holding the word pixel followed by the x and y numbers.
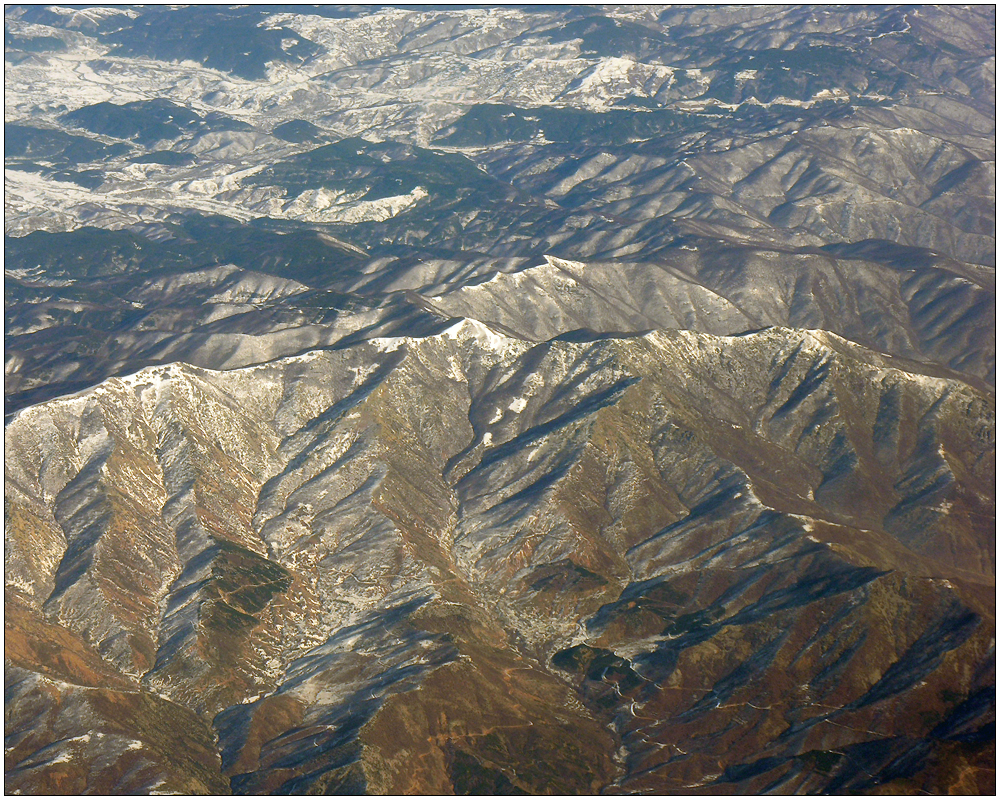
pixel 432 400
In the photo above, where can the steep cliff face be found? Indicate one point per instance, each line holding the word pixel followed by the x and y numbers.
pixel 670 561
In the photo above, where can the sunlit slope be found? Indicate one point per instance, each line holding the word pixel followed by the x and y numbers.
pixel 466 547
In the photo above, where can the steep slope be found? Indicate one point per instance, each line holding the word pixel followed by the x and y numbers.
pixel 930 312
pixel 649 543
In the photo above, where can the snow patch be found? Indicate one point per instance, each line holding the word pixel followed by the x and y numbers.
pixel 389 344
pixel 474 329
pixel 323 205
pixel 302 358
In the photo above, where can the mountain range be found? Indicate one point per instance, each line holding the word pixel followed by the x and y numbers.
pixel 416 400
